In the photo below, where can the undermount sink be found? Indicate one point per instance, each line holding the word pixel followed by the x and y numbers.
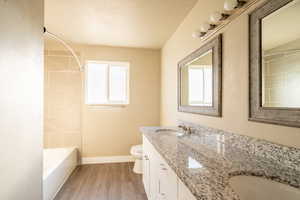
pixel 251 187
pixel 170 131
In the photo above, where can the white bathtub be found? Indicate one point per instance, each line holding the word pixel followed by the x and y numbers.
pixel 59 163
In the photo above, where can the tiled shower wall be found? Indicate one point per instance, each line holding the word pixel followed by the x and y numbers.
pixel 282 77
pixel 62 102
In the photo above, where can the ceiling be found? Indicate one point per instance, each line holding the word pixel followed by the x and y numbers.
pixel 281 27
pixel 128 23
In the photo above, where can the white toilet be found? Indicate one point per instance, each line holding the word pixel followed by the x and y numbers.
pixel 137 152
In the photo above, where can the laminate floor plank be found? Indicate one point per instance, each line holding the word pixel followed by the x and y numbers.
pixel 114 181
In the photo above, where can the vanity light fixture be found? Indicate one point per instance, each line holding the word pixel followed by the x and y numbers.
pixel 206 27
pixel 217 17
pixel 198 34
pixel 230 5
pixel 241 3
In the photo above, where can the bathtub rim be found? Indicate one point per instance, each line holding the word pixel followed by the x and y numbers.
pixel 50 171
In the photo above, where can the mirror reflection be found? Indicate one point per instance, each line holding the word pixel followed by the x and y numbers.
pixel 281 58
pixel 197 81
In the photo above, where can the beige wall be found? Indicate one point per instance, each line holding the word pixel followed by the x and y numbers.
pixel 111 131
pixel 21 88
pixel 235 79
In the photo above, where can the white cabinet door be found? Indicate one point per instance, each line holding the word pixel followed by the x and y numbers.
pixel 154 175
pixel 150 170
pixel 146 173
pixel 184 193
pixel 167 182
pixel 146 167
pixel 167 179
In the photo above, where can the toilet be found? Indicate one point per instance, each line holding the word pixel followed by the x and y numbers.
pixel 137 152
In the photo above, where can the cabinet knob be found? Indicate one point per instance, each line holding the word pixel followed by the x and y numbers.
pixel 146 157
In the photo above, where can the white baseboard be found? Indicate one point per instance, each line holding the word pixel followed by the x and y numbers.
pixel 109 159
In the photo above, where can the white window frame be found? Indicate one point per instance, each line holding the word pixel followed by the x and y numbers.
pixel 109 102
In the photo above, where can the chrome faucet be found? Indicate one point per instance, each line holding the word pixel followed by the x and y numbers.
pixel 186 130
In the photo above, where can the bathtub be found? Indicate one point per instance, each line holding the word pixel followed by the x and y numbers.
pixel 59 163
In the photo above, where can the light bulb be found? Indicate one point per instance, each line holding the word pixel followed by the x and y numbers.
pixel 230 4
pixel 196 34
pixel 204 27
pixel 215 17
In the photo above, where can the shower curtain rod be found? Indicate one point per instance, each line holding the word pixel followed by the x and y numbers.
pixel 66 45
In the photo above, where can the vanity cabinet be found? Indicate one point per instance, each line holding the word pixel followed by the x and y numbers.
pixel 146 169
pixel 167 181
pixel 151 172
pixel 160 181
pixel 184 193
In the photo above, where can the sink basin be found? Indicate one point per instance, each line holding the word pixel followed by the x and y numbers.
pixel 251 187
pixel 170 131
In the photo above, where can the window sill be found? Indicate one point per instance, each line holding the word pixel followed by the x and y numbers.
pixel 105 106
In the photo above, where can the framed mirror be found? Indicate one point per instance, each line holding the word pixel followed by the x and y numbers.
pixel 199 80
pixel 275 63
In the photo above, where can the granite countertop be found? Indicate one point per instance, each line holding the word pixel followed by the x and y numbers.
pixel 205 160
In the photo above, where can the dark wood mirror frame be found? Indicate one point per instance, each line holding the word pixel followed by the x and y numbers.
pixel 216 109
pixel 280 116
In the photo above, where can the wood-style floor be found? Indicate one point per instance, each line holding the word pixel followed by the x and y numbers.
pixel 103 182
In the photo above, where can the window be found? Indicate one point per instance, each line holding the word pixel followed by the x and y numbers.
pixel 107 83
pixel 200 85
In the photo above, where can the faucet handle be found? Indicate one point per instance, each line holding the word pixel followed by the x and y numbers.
pixel 189 130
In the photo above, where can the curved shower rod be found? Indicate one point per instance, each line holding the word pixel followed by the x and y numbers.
pixel 66 45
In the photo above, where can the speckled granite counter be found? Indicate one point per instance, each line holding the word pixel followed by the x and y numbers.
pixel 205 160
